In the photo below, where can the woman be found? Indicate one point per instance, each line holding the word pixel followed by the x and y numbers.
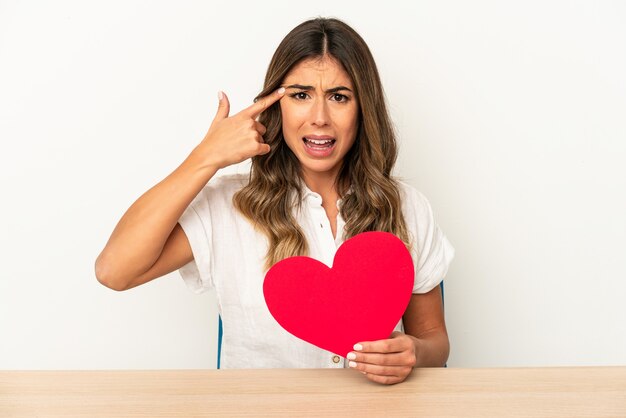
pixel 322 149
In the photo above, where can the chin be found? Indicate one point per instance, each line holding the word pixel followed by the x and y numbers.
pixel 318 166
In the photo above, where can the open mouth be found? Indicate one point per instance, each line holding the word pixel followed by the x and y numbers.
pixel 319 144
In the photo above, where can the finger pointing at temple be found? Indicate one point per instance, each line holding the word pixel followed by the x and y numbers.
pixel 264 102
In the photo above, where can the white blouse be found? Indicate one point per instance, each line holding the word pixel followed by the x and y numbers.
pixel 229 256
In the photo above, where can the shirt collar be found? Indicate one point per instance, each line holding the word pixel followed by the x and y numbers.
pixel 315 198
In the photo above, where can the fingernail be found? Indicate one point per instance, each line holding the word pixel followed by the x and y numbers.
pixel 220 95
pixel 358 347
pixel 281 90
pixel 364 372
pixel 351 356
pixel 352 364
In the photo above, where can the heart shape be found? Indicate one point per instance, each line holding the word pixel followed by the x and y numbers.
pixel 361 298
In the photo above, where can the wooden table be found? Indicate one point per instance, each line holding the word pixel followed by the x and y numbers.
pixel 453 392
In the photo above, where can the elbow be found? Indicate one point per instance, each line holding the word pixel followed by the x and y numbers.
pixel 106 277
pixel 445 355
pixel 444 350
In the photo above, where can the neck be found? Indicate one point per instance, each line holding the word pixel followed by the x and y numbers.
pixel 323 184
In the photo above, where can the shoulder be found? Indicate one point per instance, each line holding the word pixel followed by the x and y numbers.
pixel 229 181
pixel 414 202
pixel 219 191
pixel 225 185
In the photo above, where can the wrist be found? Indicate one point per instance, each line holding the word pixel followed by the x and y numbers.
pixel 199 161
pixel 432 350
pixel 418 349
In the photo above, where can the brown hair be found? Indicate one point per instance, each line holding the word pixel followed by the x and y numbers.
pixel 373 202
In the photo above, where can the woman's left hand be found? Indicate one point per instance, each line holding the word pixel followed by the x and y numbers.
pixel 385 361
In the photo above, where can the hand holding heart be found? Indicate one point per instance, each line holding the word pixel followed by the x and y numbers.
pixel 231 140
pixel 361 298
pixel 385 361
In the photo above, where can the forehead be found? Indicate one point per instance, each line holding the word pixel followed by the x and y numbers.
pixel 325 71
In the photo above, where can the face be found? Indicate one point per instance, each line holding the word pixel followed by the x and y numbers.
pixel 319 115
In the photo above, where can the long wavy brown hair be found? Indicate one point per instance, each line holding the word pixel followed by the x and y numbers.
pixel 370 196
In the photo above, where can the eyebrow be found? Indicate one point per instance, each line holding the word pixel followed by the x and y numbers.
pixel 333 90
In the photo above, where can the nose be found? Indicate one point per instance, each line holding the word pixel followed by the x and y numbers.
pixel 319 112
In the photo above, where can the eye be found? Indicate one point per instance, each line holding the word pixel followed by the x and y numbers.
pixel 340 98
pixel 299 96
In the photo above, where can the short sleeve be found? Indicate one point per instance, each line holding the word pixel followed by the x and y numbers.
pixel 432 252
pixel 196 222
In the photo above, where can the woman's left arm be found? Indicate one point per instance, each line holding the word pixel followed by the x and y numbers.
pixel 424 344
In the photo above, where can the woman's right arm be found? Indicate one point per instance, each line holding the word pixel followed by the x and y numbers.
pixel 148 242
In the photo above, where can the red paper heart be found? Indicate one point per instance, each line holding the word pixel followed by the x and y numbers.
pixel 361 298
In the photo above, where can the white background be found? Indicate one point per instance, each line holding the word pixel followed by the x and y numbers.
pixel 511 119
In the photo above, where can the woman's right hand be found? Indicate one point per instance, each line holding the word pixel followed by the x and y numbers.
pixel 231 140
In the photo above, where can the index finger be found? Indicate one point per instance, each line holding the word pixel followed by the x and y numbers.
pixel 264 102
pixel 391 345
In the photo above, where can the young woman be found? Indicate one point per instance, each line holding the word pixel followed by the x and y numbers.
pixel 323 148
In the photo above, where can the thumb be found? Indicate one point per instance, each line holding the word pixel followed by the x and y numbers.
pixel 223 107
